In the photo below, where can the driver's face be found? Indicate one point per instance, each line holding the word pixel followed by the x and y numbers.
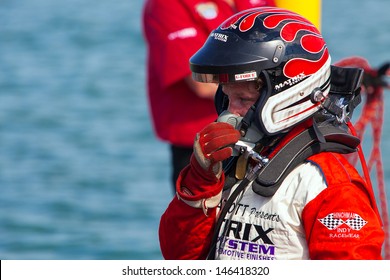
pixel 241 96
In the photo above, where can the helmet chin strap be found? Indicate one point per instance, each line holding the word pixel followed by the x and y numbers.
pixel 247 120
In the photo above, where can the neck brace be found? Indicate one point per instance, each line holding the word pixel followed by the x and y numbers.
pixel 293 149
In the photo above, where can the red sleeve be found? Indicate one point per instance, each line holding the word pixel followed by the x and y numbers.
pixel 340 223
pixel 185 232
pixel 173 36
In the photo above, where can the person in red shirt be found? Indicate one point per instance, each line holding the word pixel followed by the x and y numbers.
pixel 268 180
pixel 174 30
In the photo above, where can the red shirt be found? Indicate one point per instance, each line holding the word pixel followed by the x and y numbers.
pixel 174 31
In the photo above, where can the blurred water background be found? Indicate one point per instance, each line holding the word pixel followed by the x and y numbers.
pixel 81 174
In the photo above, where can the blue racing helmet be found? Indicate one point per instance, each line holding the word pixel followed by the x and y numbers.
pixel 283 50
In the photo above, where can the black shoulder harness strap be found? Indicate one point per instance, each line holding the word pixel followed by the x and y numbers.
pixel 297 150
pixel 317 139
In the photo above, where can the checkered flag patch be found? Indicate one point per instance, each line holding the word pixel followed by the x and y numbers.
pixel 352 220
pixel 330 222
pixel 356 223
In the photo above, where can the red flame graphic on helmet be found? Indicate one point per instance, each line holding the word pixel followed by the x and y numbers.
pixel 249 15
pixel 311 41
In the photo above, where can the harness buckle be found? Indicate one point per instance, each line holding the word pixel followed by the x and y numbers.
pixel 247 149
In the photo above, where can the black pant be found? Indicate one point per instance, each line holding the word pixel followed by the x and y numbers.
pixel 180 157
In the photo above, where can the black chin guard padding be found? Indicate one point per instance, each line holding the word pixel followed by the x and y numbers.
pixel 221 101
